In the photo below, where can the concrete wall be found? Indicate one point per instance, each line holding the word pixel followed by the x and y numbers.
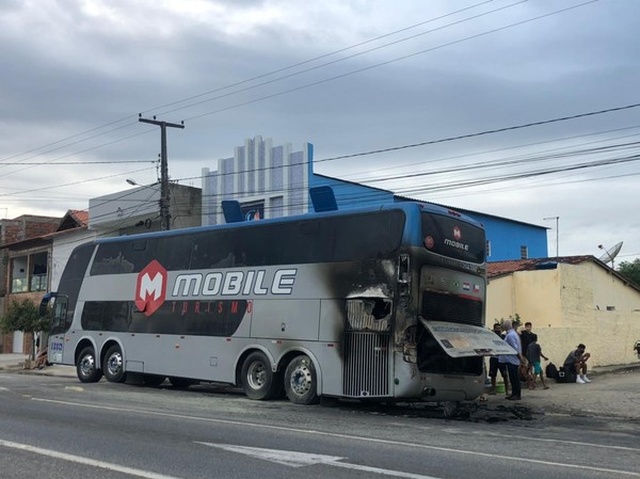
pixel 568 306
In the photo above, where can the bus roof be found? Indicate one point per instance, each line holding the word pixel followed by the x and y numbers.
pixel 406 206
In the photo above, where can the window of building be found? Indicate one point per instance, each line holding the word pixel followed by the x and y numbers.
pixel 488 248
pixel 29 273
pixel 524 252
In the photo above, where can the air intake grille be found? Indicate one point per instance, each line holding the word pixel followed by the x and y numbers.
pixel 366 365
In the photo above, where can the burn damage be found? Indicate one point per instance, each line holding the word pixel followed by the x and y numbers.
pixel 369 310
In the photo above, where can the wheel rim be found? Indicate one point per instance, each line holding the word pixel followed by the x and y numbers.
pixel 87 365
pixel 114 364
pixel 257 375
pixel 301 379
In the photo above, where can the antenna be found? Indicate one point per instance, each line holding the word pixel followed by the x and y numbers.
pixel 610 254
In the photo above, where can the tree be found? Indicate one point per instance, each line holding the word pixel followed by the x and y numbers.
pixel 630 270
pixel 24 316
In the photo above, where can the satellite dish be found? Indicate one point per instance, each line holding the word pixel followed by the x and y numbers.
pixel 611 253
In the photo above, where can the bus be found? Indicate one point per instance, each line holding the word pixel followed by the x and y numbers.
pixel 382 303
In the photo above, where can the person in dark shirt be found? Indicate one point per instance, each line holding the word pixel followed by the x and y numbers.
pixel 495 366
pixel 534 353
pixel 525 337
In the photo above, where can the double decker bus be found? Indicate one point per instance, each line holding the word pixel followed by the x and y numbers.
pixel 382 303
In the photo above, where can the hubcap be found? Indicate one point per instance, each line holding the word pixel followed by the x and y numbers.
pixel 114 364
pixel 87 365
pixel 257 375
pixel 301 380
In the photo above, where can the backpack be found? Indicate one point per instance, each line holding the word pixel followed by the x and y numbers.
pixel 551 371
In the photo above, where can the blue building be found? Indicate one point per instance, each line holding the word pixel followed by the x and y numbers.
pixel 272 181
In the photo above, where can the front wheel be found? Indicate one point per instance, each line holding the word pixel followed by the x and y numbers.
pixel 300 381
pixel 114 365
pixel 257 378
pixel 86 366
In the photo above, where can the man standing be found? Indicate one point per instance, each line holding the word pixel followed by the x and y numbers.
pixel 577 361
pixel 495 366
pixel 525 337
pixel 513 361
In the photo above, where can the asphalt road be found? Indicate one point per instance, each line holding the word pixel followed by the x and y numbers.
pixel 59 428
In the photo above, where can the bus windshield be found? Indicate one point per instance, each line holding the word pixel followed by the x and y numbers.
pixel 453 238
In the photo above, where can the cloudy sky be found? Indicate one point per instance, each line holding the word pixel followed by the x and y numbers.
pixel 428 81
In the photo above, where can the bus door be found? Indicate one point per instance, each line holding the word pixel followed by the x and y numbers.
pixel 57 307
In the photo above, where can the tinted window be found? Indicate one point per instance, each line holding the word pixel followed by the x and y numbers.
pixel 70 283
pixel 341 238
pixel 453 238
pixel 198 318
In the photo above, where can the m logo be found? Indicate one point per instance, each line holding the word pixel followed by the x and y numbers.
pixel 457 234
pixel 151 288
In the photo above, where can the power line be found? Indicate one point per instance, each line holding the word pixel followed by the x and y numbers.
pixel 264 75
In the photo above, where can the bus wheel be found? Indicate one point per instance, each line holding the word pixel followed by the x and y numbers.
pixel 258 380
pixel 300 382
pixel 86 366
pixel 114 365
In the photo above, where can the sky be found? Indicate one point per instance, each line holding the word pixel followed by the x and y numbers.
pixel 524 109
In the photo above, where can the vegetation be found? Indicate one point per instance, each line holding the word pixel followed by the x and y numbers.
pixel 24 316
pixel 630 270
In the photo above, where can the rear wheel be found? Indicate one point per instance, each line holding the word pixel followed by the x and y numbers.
pixel 114 365
pixel 300 381
pixel 86 366
pixel 257 378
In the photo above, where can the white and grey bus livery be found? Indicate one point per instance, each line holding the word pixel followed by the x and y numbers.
pixel 382 303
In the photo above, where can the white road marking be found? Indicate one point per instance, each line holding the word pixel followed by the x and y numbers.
pixel 2 388
pixel 83 460
pixel 301 459
pixel 492 455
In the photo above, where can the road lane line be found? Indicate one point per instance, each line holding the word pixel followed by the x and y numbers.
pixel 302 459
pixel 492 455
pixel 83 460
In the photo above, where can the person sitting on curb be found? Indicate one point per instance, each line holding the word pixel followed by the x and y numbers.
pixel 577 362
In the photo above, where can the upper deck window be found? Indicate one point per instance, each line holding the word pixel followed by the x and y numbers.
pixel 453 238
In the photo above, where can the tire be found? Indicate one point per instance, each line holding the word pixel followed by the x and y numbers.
pixel 86 366
pixel 113 365
pixel 153 380
pixel 300 381
pixel 182 383
pixel 257 379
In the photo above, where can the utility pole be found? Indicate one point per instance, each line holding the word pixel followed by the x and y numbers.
pixel 165 216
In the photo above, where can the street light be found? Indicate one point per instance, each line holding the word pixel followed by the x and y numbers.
pixel 557 218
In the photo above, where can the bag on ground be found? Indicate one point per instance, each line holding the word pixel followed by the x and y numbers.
pixel 551 371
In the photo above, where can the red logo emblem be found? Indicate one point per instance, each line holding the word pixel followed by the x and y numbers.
pixel 151 288
pixel 457 234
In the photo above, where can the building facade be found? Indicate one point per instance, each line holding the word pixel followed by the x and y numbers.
pixel 273 181
pixel 571 300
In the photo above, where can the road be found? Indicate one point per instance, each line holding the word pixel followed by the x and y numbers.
pixel 59 428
